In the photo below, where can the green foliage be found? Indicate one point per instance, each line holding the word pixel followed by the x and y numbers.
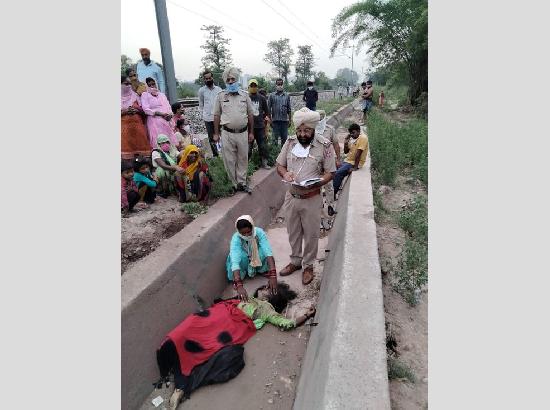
pixel 125 63
pixel 221 185
pixel 194 209
pixel 414 219
pixel 217 56
pixel 322 82
pixel 399 370
pixel 279 55
pixel 412 270
pixel 396 32
pixel 396 147
pixel 331 106
pixel 304 63
pixel 187 89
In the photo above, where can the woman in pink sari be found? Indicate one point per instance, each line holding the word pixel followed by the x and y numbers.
pixel 133 135
pixel 159 113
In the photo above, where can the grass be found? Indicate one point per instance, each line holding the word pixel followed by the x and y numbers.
pixel 194 209
pixel 399 370
pixel 331 106
pixel 396 147
pixel 414 219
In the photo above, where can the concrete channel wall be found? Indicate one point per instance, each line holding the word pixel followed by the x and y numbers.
pixel 186 270
pixel 345 362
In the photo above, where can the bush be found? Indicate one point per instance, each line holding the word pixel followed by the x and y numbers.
pixel 221 186
pixel 399 370
pixel 414 219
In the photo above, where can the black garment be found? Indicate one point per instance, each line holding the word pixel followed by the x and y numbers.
pixel 259 136
pixel 311 97
pixel 224 365
pixel 133 199
pixel 210 130
pixel 260 105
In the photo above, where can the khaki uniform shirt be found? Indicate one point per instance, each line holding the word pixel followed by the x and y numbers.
pixel 321 159
pixel 233 109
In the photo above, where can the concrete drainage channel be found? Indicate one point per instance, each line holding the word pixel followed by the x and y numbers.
pixel 184 273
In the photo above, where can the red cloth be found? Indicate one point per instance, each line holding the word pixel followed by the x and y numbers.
pixel 201 335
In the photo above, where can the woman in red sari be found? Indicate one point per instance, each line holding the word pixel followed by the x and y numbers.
pixel 133 134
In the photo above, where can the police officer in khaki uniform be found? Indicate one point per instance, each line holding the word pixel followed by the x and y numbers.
pixel 233 111
pixel 329 133
pixel 304 156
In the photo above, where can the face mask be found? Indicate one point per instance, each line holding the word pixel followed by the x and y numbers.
pixel 165 147
pixel 125 88
pixel 279 88
pixel 252 90
pixel 310 88
pixel 232 88
pixel 210 83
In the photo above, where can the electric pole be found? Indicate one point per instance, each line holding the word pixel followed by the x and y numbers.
pixel 166 49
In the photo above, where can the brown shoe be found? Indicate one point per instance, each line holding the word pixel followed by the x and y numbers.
pixel 290 268
pixel 307 275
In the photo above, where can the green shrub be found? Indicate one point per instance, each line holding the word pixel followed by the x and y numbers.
pixel 414 219
pixel 399 370
pixel 221 186
pixel 194 209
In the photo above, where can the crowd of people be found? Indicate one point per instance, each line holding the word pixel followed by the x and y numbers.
pixel 160 157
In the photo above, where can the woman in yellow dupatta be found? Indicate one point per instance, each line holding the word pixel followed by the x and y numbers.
pixel 197 181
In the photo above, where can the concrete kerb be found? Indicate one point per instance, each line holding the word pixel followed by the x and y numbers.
pixel 345 363
pixel 184 272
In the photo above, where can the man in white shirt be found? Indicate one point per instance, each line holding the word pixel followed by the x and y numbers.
pixel 147 68
pixel 207 96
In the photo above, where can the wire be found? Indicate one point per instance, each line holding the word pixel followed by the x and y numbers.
pixel 218 23
pixel 294 26
pixel 297 18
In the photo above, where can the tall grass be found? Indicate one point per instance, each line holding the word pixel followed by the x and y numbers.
pixel 395 148
pixel 331 106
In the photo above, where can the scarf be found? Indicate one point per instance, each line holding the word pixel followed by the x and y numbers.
pixel 170 157
pixel 190 169
pixel 127 97
pixel 153 91
pixel 251 241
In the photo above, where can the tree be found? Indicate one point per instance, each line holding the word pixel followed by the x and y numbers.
pixel 346 76
pixel 217 56
pixel 322 82
pixel 304 63
pixel 125 63
pixel 279 55
pixel 396 32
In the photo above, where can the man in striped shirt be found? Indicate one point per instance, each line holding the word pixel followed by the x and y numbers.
pixel 279 107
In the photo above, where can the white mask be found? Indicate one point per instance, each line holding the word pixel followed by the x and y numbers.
pixel 310 88
pixel 300 151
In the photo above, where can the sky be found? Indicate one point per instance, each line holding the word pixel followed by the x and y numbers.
pixel 249 25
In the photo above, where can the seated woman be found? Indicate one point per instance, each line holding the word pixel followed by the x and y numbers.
pixel 250 253
pixel 169 173
pixel 183 135
pixel 196 179
pixel 145 181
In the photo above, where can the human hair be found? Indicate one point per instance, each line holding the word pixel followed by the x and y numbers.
pixel 369 82
pixel 354 127
pixel 363 83
pixel 175 107
pixel 310 83
pixel 126 165
pixel 207 71
pixel 243 223
pixel 129 70
pixel 180 122
pixel 279 79
pixel 281 299
pixel 149 79
pixel 123 78
pixel 140 162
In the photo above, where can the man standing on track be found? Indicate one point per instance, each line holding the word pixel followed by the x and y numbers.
pixel 280 110
pixel 207 96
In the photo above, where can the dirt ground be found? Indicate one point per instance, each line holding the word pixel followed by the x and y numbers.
pixel 408 325
pixel 143 231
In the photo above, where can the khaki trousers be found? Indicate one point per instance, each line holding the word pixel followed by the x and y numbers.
pixel 235 156
pixel 303 217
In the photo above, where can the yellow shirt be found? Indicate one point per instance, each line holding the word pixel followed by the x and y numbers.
pixel 362 142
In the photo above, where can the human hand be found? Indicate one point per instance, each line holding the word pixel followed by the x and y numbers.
pixel 250 137
pixel 289 176
pixel 241 291
pixel 338 163
pixel 273 285
pixel 179 169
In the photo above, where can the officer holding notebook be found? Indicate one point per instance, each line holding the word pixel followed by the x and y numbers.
pixel 306 162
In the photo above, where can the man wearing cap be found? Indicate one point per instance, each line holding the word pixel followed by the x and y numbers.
pixel 233 112
pixel 147 68
pixel 304 156
pixel 259 103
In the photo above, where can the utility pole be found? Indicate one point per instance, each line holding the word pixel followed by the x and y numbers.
pixel 166 50
pixel 352 49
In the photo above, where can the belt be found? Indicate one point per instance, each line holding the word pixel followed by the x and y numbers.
pixel 307 195
pixel 235 131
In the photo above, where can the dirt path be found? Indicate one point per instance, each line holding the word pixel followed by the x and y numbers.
pixel 407 325
pixel 273 357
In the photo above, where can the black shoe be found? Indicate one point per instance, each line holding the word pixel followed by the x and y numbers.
pixel 240 187
pixel 247 189
pixel 331 210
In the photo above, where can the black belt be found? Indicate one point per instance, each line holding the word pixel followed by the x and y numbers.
pixel 235 131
